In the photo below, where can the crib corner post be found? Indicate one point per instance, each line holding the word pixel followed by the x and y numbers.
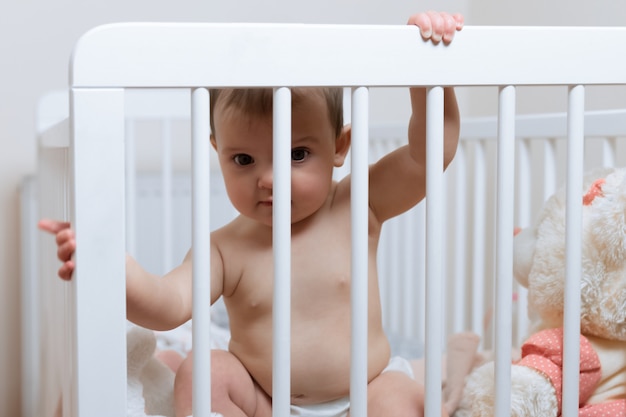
pixel 97 354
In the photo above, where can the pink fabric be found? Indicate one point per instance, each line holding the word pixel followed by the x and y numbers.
pixel 543 352
pixel 611 409
pixel 594 191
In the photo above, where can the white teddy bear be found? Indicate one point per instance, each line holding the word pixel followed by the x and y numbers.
pixel 150 389
pixel 539 265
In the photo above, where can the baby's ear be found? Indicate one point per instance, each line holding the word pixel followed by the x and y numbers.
pixel 213 142
pixel 342 145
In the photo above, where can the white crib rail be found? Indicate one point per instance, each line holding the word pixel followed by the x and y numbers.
pixel 399 271
pixel 31 330
pixel 106 61
pixel 49 303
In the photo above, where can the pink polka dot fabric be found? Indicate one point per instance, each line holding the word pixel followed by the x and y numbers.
pixel 611 409
pixel 544 352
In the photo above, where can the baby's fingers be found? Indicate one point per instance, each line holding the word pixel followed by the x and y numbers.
pixel 65 236
pixel 66 270
pixel 452 23
pixel 423 22
pixel 437 26
pixel 66 249
pixel 52 226
pixel 66 244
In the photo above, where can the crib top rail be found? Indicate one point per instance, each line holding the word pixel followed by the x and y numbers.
pixel 201 54
pixel 598 124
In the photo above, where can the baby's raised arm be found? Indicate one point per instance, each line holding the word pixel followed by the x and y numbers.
pixel 398 180
pixel 436 27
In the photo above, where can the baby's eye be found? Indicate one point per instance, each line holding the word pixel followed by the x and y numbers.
pixel 299 154
pixel 243 159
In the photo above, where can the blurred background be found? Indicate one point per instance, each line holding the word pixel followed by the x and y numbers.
pixel 37 38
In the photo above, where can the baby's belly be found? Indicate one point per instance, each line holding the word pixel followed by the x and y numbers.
pixel 320 367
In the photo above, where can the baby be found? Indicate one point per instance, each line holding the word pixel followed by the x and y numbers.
pixel 242 261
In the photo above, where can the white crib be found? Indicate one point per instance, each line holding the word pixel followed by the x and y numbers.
pixel 82 178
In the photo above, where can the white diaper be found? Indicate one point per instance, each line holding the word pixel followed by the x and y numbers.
pixel 400 364
pixel 340 407
pixel 336 408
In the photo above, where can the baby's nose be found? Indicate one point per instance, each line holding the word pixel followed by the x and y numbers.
pixel 266 179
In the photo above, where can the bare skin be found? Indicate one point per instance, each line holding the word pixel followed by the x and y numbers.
pixel 242 260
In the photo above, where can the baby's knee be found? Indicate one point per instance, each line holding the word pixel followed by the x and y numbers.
pixel 223 366
pixel 183 387
pixel 170 358
pixel 221 370
pixel 185 368
pixel 228 373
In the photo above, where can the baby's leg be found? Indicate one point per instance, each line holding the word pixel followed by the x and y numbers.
pixel 170 358
pixel 395 394
pixel 233 391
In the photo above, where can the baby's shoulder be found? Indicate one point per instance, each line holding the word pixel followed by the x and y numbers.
pixel 339 196
pixel 240 231
pixel 227 231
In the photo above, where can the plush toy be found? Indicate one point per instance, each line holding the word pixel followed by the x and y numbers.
pixel 150 382
pixel 150 389
pixel 539 265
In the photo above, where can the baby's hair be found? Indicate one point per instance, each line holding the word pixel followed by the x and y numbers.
pixel 258 101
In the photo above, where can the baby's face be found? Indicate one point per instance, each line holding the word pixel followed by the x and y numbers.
pixel 244 148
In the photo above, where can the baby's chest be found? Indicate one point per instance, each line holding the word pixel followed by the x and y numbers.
pixel 310 263
pixel 319 268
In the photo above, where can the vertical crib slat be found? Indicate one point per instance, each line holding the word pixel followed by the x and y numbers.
pixel 609 146
pixel 573 235
pixel 447 315
pixel 30 299
pixel 410 316
pixel 393 279
pixel 420 273
pixel 434 249
pixel 524 182
pixel 98 340
pixel 460 241
pixel 130 178
pixel 549 164
pixel 524 203
pixel 478 242
pixel 68 311
pixel 200 134
pixel 504 247
pixel 166 193
pixel 281 239
pixel 359 214
pixel 56 349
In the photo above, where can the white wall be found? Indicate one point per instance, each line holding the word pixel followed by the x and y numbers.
pixel 36 39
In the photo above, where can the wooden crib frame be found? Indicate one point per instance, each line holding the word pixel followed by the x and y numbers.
pixel 111 58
